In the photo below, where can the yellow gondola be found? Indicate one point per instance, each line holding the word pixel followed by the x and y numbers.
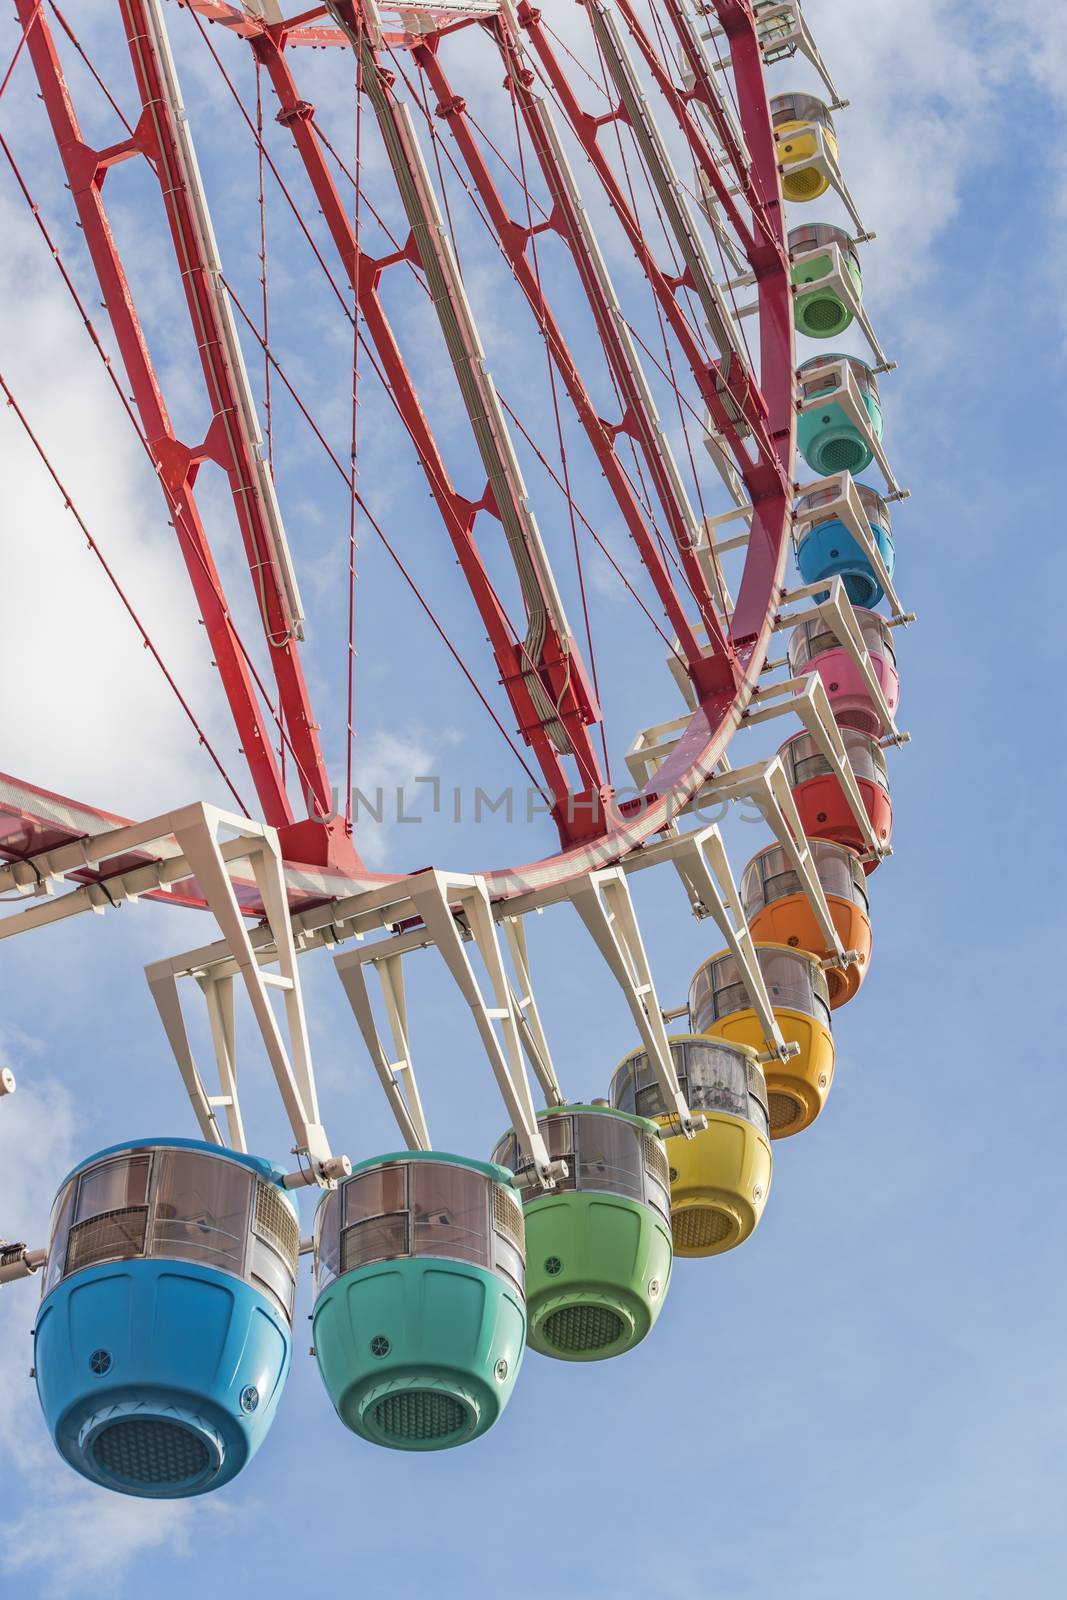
pixel 795 118
pixel 720 1178
pixel 719 1005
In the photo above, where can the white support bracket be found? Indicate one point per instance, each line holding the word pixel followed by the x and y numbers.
pixel 837 616
pixel 602 900
pixel 207 857
pixel 768 787
pixel 839 279
pixel 848 508
pixel 17 1261
pixel 724 466
pixel 783 32
pixel 454 909
pixel 396 1071
pixel 709 550
pixel 825 161
pixel 184 849
pixel 845 393
pixel 807 698
pixel 529 1018
pixel 704 868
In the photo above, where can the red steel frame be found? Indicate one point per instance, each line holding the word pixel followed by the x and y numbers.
pixel 226 442
pixel 724 671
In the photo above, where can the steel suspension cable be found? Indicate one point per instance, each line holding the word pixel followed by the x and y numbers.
pixel 19 47
pixel 550 364
pixel 640 488
pixel 135 422
pixel 512 413
pixel 350 653
pixel 367 348
pixel 376 526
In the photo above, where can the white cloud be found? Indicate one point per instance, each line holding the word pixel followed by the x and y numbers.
pixel 385 768
pixel 935 89
pixel 83 708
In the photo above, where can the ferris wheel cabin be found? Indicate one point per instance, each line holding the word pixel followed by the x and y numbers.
pixel 720 1005
pixel 721 1177
pixel 779 912
pixel 826 549
pixel 821 253
pixel 813 647
pixel 830 437
pixel 820 799
pixel 803 130
pixel 164 1335
pixel 598 1246
pixel 420 1314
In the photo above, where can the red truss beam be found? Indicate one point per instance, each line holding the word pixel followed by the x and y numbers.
pixel 709 672
pixel 712 377
pixel 228 442
pixel 770 483
pixel 577 814
pixel 550 672
pixel 678 100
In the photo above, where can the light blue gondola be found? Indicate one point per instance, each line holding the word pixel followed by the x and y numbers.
pixel 164 1335
pixel 826 548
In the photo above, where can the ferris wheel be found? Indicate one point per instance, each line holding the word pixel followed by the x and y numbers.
pixel 563 254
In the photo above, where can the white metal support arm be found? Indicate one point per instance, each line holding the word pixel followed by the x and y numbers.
pixel 837 616
pixel 454 910
pixel 845 393
pixel 848 508
pixel 602 900
pixel 197 830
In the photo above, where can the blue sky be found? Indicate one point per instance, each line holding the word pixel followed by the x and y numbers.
pixel 866 1399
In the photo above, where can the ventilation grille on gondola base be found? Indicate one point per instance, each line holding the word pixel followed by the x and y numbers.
pixel 702 1227
pixel 822 314
pixel 842 455
pixel 578 1329
pixel 150 1452
pixel 420 1416
pixel 803 185
pixel 786 1111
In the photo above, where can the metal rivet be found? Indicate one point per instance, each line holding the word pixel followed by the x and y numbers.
pixel 501 1370
pixel 653 1288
